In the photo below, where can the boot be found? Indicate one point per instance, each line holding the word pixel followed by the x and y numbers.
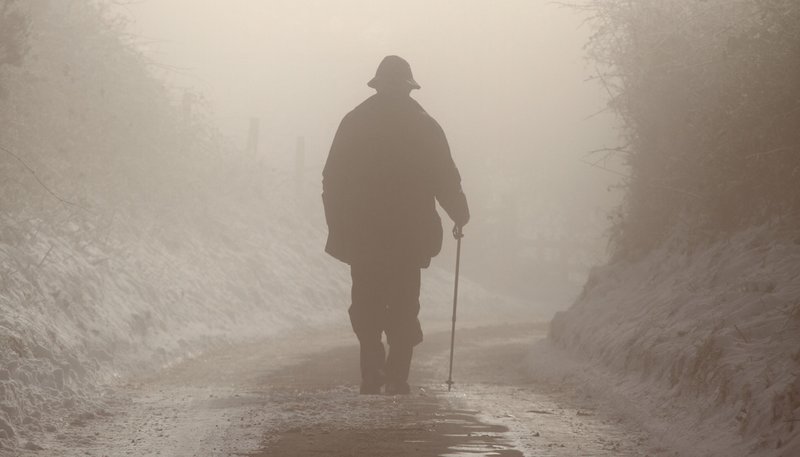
pixel 373 355
pixel 398 365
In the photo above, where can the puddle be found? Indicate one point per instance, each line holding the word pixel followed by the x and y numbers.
pixel 426 433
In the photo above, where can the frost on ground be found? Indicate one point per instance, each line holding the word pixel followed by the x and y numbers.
pixel 82 307
pixel 702 344
pixel 78 312
pixel 297 395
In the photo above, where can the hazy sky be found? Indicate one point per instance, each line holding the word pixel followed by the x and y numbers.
pixel 504 78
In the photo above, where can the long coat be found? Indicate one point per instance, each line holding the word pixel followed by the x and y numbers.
pixel 388 164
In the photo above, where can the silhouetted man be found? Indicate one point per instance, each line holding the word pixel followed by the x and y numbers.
pixel 388 165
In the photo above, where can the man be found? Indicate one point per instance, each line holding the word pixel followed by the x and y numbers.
pixel 388 165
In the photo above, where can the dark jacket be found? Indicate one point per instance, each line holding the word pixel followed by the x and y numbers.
pixel 388 165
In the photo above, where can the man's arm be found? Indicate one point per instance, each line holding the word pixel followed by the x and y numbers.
pixel 447 180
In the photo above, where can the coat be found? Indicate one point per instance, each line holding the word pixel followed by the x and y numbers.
pixel 388 165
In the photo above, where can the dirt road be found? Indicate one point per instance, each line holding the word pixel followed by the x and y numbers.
pixel 299 397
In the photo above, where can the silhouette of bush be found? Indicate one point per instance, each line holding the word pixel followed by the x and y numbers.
pixel 87 111
pixel 709 92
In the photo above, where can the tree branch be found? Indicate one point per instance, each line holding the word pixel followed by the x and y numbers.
pixel 36 177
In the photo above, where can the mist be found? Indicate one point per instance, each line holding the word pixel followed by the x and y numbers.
pixel 420 228
pixel 508 82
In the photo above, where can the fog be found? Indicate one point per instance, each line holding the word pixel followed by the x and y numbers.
pixel 207 249
pixel 507 81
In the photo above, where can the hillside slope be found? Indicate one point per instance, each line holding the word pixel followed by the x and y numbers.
pixel 709 335
pixel 697 315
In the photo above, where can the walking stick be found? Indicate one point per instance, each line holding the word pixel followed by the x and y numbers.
pixel 458 234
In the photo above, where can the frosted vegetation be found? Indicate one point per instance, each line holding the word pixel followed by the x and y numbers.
pixel 700 302
pixel 132 233
pixel 708 92
pixel 127 234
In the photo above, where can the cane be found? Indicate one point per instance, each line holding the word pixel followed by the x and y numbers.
pixel 458 234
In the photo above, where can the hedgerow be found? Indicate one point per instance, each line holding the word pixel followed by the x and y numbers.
pixel 709 94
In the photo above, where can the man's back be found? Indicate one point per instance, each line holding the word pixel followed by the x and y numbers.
pixel 388 163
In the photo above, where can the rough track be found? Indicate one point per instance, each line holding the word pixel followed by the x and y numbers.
pixel 298 397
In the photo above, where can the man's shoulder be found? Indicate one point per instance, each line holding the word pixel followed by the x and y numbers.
pixel 375 106
pixel 423 115
pixel 365 107
pixel 358 115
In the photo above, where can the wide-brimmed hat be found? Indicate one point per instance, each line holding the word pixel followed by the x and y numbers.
pixel 393 70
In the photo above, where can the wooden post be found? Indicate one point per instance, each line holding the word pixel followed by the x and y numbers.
pixel 299 167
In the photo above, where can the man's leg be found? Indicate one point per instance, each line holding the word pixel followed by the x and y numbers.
pixel 403 330
pixel 367 316
pixel 372 363
pixel 398 366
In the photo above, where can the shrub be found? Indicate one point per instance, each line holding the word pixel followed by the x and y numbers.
pixel 709 93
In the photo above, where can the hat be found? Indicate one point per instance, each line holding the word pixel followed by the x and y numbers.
pixel 393 70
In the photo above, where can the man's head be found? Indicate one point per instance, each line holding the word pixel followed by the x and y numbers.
pixel 393 75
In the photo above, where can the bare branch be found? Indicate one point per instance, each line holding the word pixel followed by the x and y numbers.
pixel 36 177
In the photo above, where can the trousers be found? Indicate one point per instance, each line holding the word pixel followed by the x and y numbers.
pixel 385 299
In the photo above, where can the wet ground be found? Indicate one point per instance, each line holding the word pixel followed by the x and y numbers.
pixel 299 397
